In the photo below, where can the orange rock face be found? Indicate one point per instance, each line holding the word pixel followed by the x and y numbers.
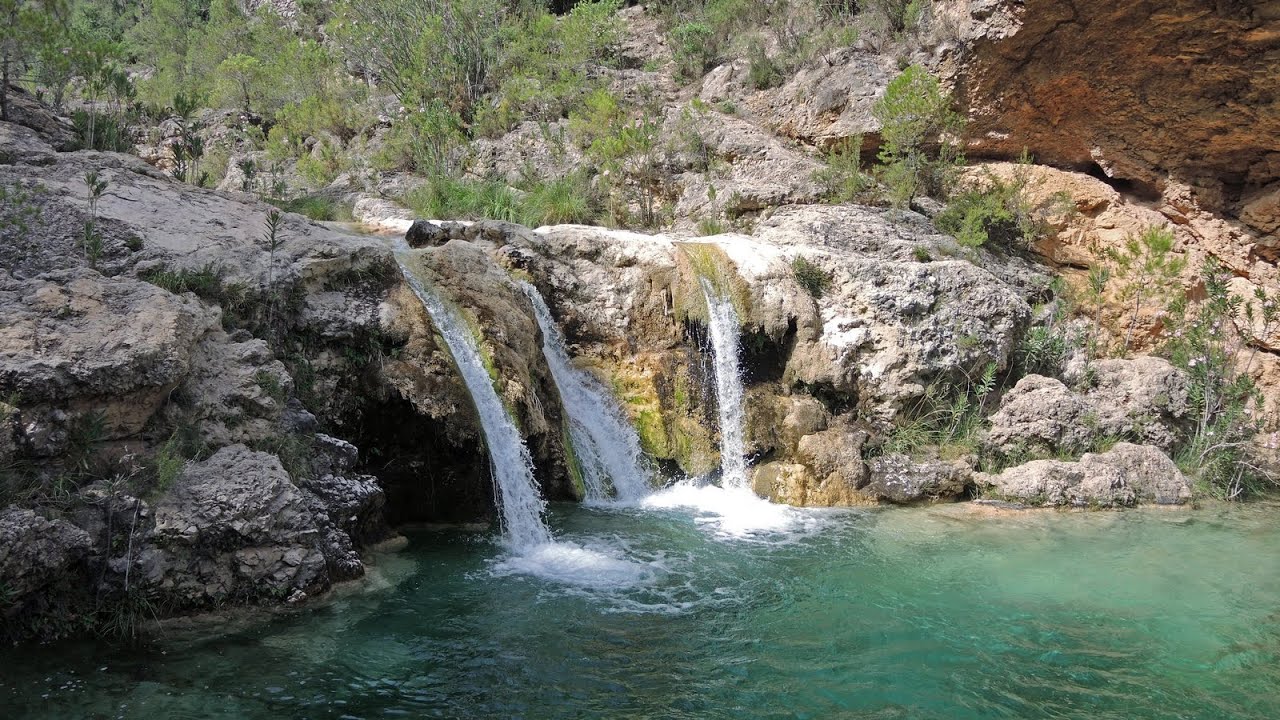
pixel 1181 89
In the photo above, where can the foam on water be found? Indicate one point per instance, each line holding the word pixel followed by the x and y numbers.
pixel 568 563
pixel 734 512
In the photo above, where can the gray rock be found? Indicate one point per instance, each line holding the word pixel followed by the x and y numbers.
pixel 21 145
pixel 1124 476
pixel 236 527
pixel 899 479
pixel 36 553
pixel 1142 399
pixel 425 233
pixel 1040 415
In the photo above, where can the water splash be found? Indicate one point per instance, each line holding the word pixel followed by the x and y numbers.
pixel 607 447
pixel 725 329
pixel 520 502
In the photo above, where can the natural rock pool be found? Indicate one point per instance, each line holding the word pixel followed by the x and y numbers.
pixel 668 611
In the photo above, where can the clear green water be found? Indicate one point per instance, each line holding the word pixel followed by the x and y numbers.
pixel 928 613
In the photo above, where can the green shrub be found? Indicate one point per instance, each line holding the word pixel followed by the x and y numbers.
pixel 316 207
pixel 555 202
pixel 1227 407
pixel 918 137
pixel 1147 270
pixel 946 419
pixel 445 198
pixel 205 282
pixel 995 211
pixel 710 226
pixel 810 276
pixel 762 71
pixel 693 47
pixel 842 180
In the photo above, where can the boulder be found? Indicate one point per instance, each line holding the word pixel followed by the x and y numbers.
pixel 235 526
pixel 902 480
pixel 1142 399
pixel 21 145
pixel 35 553
pixel 77 342
pixel 1124 476
pixel 1040 415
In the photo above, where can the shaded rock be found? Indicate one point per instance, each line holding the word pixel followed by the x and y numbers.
pixel 36 553
pixel 236 527
pixel 899 479
pixel 1124 476
pixel 26 111
pixel 427 233
pixel 21 145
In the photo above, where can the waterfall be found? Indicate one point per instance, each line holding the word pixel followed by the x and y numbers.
pixel 512 467
pixel 607 447
pixel 723 323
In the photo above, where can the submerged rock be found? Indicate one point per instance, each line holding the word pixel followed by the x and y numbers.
pixel 1124 476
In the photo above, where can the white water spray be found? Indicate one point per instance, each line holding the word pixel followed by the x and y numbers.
pixel 520 502
pixel 725 329
pixel 607 447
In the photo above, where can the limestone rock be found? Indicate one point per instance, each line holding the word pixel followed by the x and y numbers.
pixel 1143 399
pixel 830 100
pixel 78 341
pixel 36 552
pixel 236 526
pixel 21 145
pixel 1040 414
pixel 1124 476
pixel 900 479
pixel 26 111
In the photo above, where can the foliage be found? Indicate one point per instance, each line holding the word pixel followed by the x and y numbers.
pixel 947 417
pixel 445 198
pixel 623 142
pixel 1147 270
pixel 918 136
pixel 426 52
pixel 168 462
pixel 27 28
pixel 316 207
pixel 842 179
pixel 710 226
pixel 91 243
pixel 762 71
pixel 693 47
pixel 810 276
pixel 554 202
pixel 1227 406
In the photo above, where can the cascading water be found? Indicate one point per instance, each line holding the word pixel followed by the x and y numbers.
pixel 520 502
pixel 607 447
pixel 724 326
